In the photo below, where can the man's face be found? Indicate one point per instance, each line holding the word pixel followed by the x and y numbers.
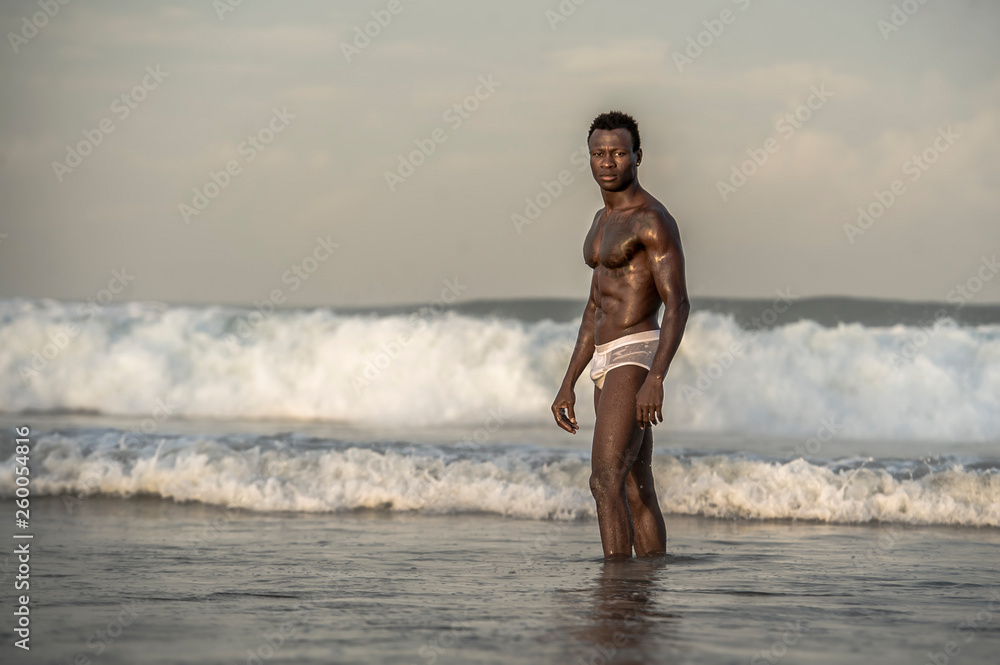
pixel 612 161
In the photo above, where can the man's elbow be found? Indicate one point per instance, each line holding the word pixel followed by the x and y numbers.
pixel 681 307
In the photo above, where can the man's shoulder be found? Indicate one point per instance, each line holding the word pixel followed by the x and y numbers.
pixel 655 224
pixel 655 215
pixel 596 222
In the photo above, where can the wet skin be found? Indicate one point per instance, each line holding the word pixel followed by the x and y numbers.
pixel 635 250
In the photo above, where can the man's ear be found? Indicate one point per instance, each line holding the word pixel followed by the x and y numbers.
pixel 638 156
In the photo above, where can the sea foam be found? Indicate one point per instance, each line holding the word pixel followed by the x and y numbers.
pixel 938 382
pixel 523 481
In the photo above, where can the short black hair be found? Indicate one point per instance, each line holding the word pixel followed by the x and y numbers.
pixel 616 120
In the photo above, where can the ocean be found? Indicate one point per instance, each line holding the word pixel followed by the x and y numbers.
pixel 222 484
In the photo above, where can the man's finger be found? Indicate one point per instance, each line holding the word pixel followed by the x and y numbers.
pixel 561 424
pixel 556 413
pixel 562 420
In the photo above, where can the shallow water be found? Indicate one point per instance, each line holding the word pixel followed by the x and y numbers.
pixel 379 587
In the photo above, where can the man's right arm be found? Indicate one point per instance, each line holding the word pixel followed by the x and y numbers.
pixel 583 352
pixel 584 349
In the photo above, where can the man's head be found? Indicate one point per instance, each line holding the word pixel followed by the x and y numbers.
pixel 615 150
pixel 617 120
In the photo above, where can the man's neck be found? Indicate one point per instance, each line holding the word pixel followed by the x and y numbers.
pixel 623 199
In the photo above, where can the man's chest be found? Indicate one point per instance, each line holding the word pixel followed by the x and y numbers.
pixel 612 244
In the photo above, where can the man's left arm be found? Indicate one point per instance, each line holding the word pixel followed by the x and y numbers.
pixel 662 241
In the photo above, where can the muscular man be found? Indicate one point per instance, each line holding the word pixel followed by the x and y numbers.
pixel 635 250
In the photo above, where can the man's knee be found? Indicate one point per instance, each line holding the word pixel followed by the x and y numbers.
pixel 596 485
pixel 605 483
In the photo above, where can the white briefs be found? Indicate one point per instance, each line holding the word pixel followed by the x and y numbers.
pixel 635 349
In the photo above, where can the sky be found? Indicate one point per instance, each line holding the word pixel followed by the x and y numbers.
pixel 443 149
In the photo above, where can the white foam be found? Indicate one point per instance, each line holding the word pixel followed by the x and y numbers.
pixel 721 486
pixel 452 369
pixel 506 480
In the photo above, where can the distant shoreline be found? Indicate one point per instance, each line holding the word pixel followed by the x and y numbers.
pixel 824 310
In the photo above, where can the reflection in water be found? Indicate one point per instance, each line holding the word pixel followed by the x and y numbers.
pixel 625 624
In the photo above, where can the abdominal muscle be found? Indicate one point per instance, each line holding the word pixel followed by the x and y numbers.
pixel 627 304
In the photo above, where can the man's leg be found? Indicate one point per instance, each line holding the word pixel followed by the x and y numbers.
pixel 650 532
pixel 617 440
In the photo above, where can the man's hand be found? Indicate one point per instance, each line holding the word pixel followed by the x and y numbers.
pixel 564 402
pixel 649 402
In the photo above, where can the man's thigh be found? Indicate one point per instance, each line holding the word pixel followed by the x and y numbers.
pixel 640 475
pixel 617 435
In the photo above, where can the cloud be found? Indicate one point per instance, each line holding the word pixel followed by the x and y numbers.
pixel 636 62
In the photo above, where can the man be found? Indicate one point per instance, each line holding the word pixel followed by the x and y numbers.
pixel 635 250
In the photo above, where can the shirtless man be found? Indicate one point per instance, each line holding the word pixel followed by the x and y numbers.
pixel 635 250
